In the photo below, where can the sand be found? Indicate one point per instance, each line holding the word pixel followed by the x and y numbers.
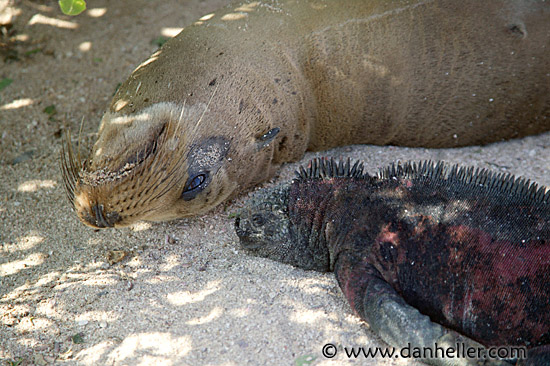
pixel 184 293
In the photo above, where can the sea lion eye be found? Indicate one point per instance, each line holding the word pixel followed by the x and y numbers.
pixel 194 186
pixel 195 182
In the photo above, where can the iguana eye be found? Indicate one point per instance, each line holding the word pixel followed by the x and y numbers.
pixel 258 220
pixel 194 186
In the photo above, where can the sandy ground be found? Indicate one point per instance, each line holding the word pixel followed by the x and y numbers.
pixel 184 294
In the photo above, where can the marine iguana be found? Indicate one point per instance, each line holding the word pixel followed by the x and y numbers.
pixel 424 252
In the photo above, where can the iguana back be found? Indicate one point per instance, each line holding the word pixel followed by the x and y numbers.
pixel 470 249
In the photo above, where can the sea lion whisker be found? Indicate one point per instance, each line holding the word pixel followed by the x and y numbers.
pixel 74 164
pixel 205 108
pixel 175 179
pixel 169 180
pixel 181 115
pixel 152 209
pixel 168 187
pixel 160 182
pixel 79 143
pixel 142 213
pixel 179 124
pixel 70 169
pixel 69 189
pixel 142 173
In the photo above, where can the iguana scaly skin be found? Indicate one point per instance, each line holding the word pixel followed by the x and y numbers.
pixel 425 253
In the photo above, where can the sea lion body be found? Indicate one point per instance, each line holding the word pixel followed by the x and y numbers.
pixel 219 107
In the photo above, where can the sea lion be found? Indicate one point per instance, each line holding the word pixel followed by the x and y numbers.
pixel 219 107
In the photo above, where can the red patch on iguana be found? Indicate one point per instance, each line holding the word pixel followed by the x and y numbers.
pixel 388 236
pixel 501 287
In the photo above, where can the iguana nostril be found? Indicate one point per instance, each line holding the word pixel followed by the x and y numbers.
pixel 238 225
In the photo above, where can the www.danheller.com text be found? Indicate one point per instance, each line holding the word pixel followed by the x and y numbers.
pixel 459 350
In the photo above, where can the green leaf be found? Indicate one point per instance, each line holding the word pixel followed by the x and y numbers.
pixel 14 362
pixel 5 82
pixel 50 110
pixel 33 51
pixel 72 7
pixel 233 215
pixel 305 360
pixel 160 40
pixel 78 338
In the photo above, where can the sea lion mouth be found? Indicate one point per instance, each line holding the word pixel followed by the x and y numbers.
pixel 137 158
pixel 74 168
pixel 78 178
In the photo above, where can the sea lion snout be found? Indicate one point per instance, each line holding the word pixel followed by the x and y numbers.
pixel 154 175
pixel 100 218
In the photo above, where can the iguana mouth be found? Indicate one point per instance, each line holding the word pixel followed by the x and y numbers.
pixel 247 235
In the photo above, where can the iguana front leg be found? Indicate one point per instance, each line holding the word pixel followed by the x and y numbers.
pixel 390 317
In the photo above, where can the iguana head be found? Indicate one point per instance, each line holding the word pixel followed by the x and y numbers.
pixel 266 229
pixel 285 223
pixel 263 224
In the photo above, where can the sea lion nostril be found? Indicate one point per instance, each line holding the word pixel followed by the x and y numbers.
pixel 99 218
pixel 103 220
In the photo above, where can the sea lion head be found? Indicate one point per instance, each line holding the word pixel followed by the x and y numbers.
pixel 145 166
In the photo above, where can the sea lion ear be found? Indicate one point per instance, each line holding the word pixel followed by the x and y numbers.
pixel 267 138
